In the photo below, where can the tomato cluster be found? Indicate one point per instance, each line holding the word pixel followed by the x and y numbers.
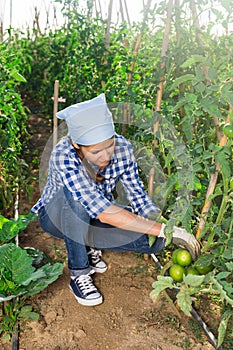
pixel 182 260
pixel 182 265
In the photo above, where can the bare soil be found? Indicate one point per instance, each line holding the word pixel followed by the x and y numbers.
pixel 127 319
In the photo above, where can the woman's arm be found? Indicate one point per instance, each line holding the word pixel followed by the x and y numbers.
pixel 122 218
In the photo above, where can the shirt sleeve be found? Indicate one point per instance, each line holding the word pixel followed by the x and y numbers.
pixel 82 188
pixel 136 194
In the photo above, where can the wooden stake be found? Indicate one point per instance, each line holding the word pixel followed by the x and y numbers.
pixel 212 184
pixel 204 68
pixel 127 13
pixel 55 109
pixel 162 64
pixel 122 12
pixel 109 23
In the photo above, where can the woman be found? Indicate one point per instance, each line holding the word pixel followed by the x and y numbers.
pixel 77 203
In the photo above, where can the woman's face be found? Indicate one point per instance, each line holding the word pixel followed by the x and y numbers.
pixel 100 153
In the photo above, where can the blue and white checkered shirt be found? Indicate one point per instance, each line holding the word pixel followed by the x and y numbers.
pixel 66 169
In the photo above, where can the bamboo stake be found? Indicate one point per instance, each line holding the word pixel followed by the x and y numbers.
pixel 55 109
pixel 151 182
pixel 162 64
pixel 204 68
pixel 127 13
pixel 122 12
pixel 100 9
pixel 109 23
pixel 212 184
pixel 135 53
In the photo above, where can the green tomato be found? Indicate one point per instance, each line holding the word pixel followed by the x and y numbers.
pixel 203 270
pixel 177 272
pixel 228 130
pixel 191 271
pixel 174 255
pixel 183 258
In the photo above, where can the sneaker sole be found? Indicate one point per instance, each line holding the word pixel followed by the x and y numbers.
pixel 86 302
pixel 99 270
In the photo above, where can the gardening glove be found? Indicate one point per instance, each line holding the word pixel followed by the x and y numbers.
pixel 184 239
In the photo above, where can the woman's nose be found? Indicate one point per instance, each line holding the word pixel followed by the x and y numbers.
pixel 105 155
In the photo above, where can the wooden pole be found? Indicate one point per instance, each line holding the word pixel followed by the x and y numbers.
pixel 151 182
pixel 162 64
pixel 212 185
pixel 122 12
pixel 109 23
pixel 135 53
pixel 100 9
pixel 127 13
pixel 204 68
pixel 55 109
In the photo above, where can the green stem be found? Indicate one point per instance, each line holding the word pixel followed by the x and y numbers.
pixel 221 213
pixel 222 209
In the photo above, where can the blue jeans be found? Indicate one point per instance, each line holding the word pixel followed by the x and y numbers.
pixel 66 219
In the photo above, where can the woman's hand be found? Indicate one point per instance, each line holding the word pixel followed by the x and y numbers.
pixel 184 239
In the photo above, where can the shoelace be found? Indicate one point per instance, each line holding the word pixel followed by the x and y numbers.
pixel 95 255
pixel 85 284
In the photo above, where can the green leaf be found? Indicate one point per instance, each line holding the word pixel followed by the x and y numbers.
pixel 200 87
pixel 17 76
pixel 193 280
pixel 225 165
pixel 51 273
pixel 229 266
pixel 160 285
pixel 222 275
pixel 229 96
pixel 27 313
pixel 222 289
pixel 223 326
pixel 184 301
pixel 12 227
pixel 193 59
pixel 204 260
pixel 3 220
pixel 15 261
pixel 180 80
pixel 210 106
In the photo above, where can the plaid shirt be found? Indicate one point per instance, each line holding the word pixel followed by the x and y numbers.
pixel 66 169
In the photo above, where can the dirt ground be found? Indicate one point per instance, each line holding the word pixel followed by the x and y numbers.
pixel 128 318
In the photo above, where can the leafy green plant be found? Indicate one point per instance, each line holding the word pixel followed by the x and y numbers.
pixel 19 277
pixel 13 131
